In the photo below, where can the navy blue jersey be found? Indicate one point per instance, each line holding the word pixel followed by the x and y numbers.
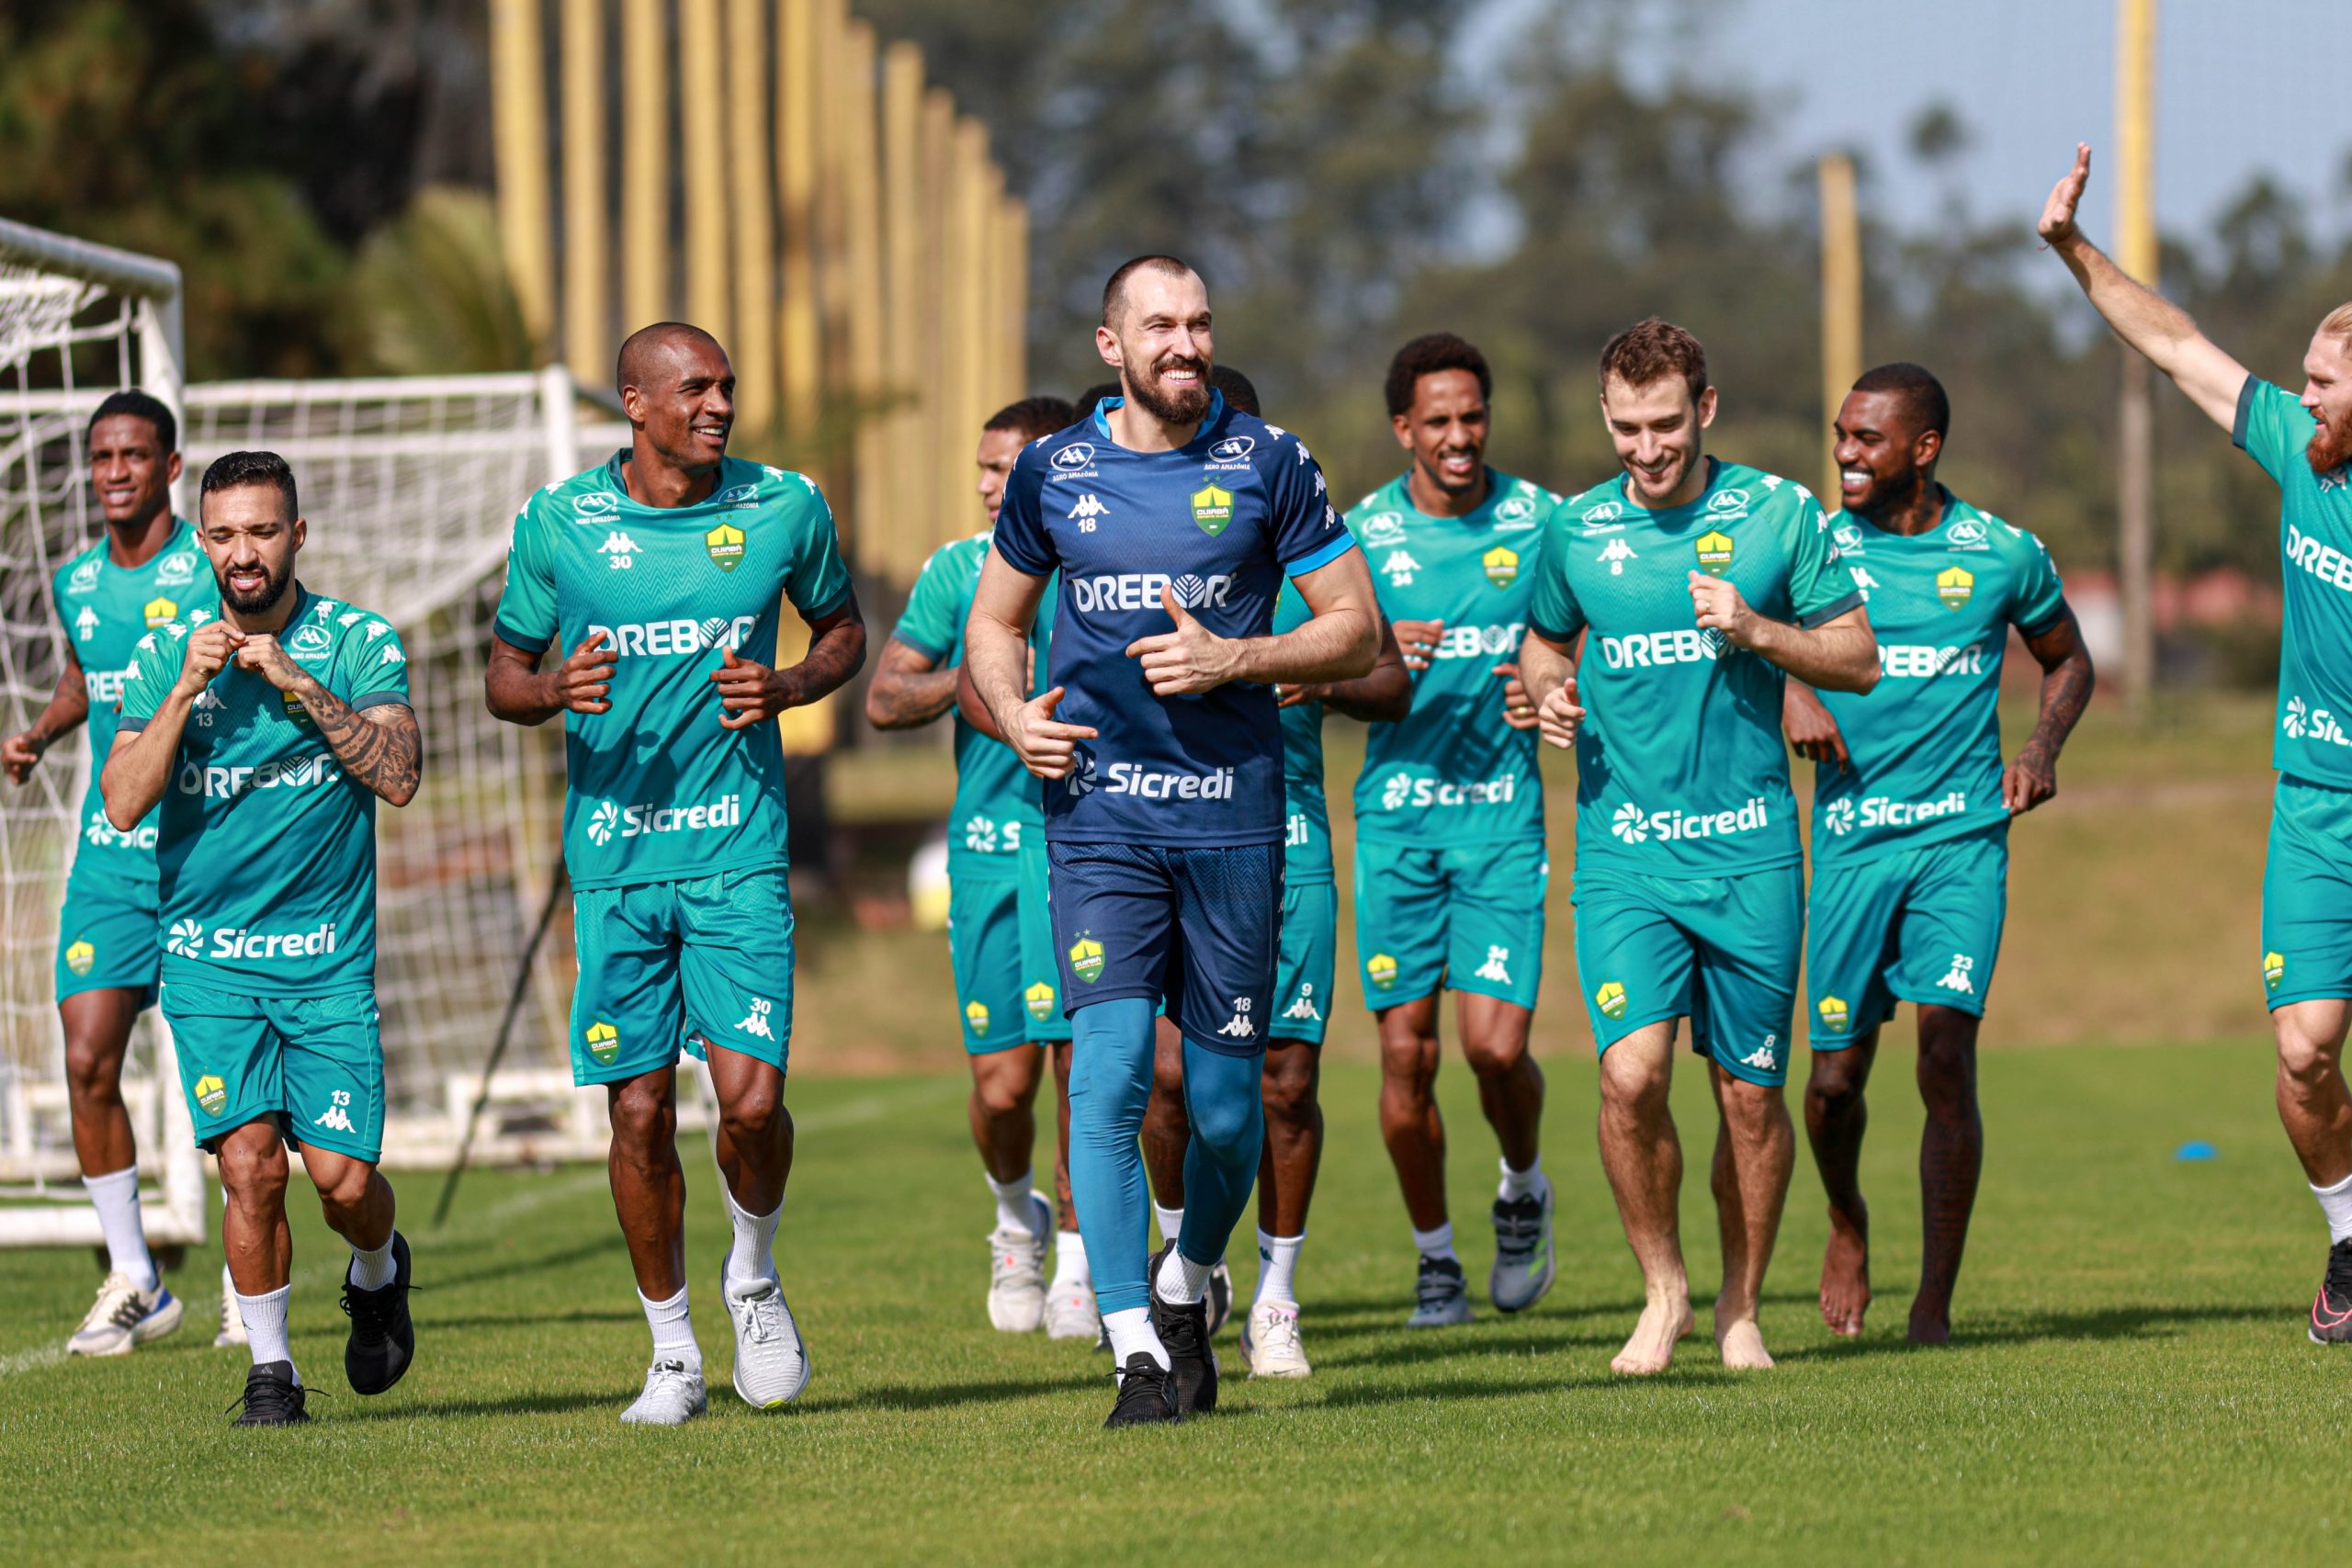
pixel 1220 522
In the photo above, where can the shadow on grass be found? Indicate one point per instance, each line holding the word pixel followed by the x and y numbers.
pixel 940 1396
pixel 2153 1320
pixel 350 1407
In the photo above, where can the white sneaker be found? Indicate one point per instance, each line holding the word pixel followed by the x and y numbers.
pixel 1070 1311
pixel 1017 1272
pixel 771 1363
pixel 124 1315
pixel 232 1332
pixel 1270 1346
pixel 673 1395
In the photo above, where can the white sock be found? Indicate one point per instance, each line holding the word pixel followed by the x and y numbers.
pixel 265 1320
pixel 1170 1221
pixel 1278 1268
pixel 2335 1202
pixel 1438 1243
pixel 116 1197
pixel 1529 1183
pixel 673 1329
pixel 1130 1330
pixel 1013 1208
pixel 1070 1259
pixel 754 1257
pixel 1181 1281
pixel 373 1271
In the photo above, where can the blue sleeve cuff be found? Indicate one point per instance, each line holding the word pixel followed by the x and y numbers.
pixel 2245 412
pixel 1552 634
pixel 918 643
pixel 380 700
pixel 1014 557
pixel 126 725
pixel 1322 556
pixel 1830 612
pixel 832 607
pixel 508 633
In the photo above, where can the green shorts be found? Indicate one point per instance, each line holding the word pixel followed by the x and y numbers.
pixel 1467 919
pixel 108 936
pixel 2307 895
pixel 984 946
pixel 1920 926
pixel 1304 971
pixel 1041 997
pixel 671 965
pixel 1721 950
pixel 312 1064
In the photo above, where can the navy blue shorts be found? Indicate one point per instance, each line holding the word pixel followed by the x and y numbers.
pixel 1200 928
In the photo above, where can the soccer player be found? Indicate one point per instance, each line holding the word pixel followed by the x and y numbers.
pixel 141 575
pixel 1911 811
pixel 1270 1346
pixel 1451 864
pixel 266 734
pixel 1173 519
pixel 663 570
pixel 996 807
pixel 1694 583
pixel 2304 444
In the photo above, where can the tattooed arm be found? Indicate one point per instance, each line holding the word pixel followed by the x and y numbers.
pixel 2066 681
pixel 379 747
pixel 909 689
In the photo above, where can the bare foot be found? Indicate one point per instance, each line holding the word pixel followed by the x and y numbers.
pixel 1930 1326
pixel 1651 1348
pixel 1845 1280
pixel 1742 1344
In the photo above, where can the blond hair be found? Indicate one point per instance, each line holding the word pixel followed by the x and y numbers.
pixel 2337 324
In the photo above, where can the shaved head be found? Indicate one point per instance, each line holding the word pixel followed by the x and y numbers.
pixel 648 350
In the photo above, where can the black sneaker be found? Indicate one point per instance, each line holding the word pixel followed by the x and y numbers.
pixel 1184 1331
pixel 1219 1296
pixel 382 1340
pixel 1441 1295
pixel 2332 1308
pixel 1146 1394
pixel 272 1397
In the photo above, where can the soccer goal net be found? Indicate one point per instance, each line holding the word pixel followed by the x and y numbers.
pixel 77 320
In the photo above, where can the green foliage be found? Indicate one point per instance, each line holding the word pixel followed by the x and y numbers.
pixel 438 302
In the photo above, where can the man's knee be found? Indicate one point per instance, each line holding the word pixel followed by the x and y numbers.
pixel 1288 1089
pixel 1749 1109
pixel 1634 1083
pixel 343 1193
pixel 252 1165
pixel 644 1117
pixel 2308 1056
pixel 1834 1083
pixel 93 1067
pixel 1947 1070
pixel 1002 1091
pixel 753 1112
pixel 1495 1054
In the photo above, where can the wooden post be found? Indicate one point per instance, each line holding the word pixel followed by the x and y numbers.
pixel 645 165
pixel 861 178
pixel 904 242
pixel 519 124
pixel 943 367
pixel 753 347
pixel 1841 306
pixel 795 161
pixel 1014 307
pixel 2135 253
pixel 587 255
pixel 701 110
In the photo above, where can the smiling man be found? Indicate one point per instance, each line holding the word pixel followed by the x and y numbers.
pixel 1694 583
pixel 147 570
pixel 1173 520
pixel 266 734
pixel 664 569
pixel 2304 444
pixel 1911 816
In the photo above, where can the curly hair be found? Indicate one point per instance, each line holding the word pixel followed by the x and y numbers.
pixel 1427 356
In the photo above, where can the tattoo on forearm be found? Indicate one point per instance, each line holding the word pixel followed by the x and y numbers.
pixel 385 756
pixel 2065 693
pixel 902 699
pixel 833 658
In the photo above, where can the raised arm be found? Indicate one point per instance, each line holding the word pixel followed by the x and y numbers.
pixel 145 745
pixel 2141 317
pixel 2067 679
pixel 1840 655
pixel 377 746
pixel 68 707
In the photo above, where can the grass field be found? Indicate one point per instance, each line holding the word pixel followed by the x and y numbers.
pixel 2129 1382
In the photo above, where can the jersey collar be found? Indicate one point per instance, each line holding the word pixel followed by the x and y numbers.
pixel 1209 422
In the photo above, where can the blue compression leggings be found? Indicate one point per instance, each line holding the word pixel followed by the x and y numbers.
pixel 1110 1082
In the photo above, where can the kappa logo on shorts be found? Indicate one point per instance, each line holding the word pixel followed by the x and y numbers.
pixel 1496 966
pixel 1304 1007
pixel 1610 1000
pixel 603 1042
pixel 1039 999
pixel 1833 1014
pixel 756 1023
pixel 336 1117
pixel 1957 979
pixel 1381 970
pixel 1086 958
pixel 212 1094
pixel 1766 1056
pixel 2274 969
pixel 1238 1026
pixel 977 1015
pixel 80 957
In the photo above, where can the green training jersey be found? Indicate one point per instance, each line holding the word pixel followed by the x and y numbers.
pixel 997 800
pixel 266 852
pixel 1450 772
pixel 1926 740
pixel 659 791
pixel 2314 738
pixel 1307 817
pixel 106 609
pixel 1680 768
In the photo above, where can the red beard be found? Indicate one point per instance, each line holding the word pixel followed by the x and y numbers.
pixel 2328 450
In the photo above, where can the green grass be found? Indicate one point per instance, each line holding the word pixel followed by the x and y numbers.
pixel 2131 1381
